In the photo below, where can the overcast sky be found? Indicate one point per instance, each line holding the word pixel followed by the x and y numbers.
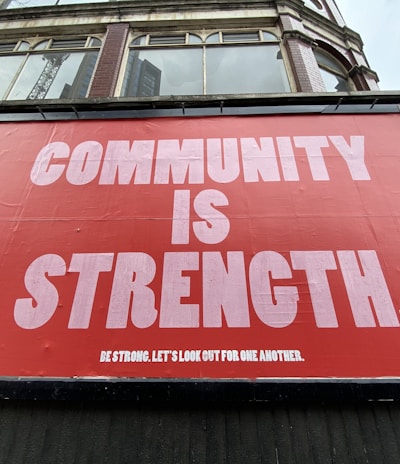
pixel 378 23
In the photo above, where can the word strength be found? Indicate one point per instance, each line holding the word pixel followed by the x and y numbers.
pixel 197 356
pixel 233 289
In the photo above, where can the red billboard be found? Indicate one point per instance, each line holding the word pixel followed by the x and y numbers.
pixel 217 247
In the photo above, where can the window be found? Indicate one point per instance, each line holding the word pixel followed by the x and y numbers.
pixel 333 73
pixel 315 4
pixel 225 63
pixel 32 3
pixel 52 68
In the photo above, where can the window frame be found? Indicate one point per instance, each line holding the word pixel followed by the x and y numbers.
pixel 264 37
pixel 336 68
pixel 34 48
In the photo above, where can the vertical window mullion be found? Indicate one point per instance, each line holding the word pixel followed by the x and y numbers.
pixel 204 70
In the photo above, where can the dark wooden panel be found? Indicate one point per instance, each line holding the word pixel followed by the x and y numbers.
pixel 253 433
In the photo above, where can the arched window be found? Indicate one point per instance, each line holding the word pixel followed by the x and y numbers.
pixel 225 63
pixel 333 73
pixel 52 68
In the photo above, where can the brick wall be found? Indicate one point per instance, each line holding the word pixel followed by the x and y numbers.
pixel 108 66
pixel 308 76
pixel 299 47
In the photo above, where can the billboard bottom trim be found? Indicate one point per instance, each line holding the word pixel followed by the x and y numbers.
pixel 195 390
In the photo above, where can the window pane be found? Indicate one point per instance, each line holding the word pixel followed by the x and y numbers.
pixel 313 4
pixel 325 60
pixel 60 43
pixel 8 47
pixel 94 42
pixel 23 46
pixel 268 37
pixel 164 72
pixel 194 39
pixel 333 82
pixel 167 40
pixel 213 38
pixel 42 45
pixel 54 75
pixel 29 3
pixel 9 65
pixel 241 37
pixel 247 69
pixel 139 40
pixel 71 2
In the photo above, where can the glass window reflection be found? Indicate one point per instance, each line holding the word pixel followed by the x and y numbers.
pixel 333 73
pixel 9 66
pixel 64 71
pixel 217 66
pixel 28 3
pixel 164 72
pixel 54 75
pixel 245 69
pixel 333 82
pixel 36 3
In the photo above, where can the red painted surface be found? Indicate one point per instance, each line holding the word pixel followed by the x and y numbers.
pixel 292 272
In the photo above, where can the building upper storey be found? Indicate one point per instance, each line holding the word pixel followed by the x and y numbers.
pixel 68 49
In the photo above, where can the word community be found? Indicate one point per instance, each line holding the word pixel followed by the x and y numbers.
pixel 124 162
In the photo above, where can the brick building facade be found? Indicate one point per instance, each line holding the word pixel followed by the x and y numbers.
pixel 297 29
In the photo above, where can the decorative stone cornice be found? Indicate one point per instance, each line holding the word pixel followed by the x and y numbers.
pixel 352 36
pixel 298 35
pixel 295 5
pixel 133 7
pixel 363 70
